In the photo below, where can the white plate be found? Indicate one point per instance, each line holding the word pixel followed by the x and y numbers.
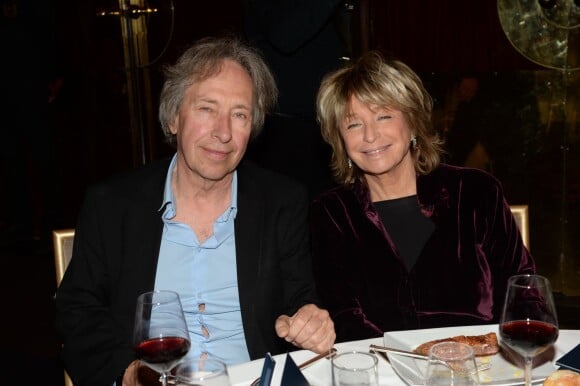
pixel 502 372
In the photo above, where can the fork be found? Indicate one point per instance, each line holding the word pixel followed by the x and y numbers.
pixel 303 365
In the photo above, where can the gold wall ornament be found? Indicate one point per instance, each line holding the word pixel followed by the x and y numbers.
pixel 547 32
pixel 133 16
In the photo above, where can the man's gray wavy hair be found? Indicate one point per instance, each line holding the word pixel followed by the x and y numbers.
pixel 203 60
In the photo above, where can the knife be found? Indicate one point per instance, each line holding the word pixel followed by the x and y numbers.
pixel 377 348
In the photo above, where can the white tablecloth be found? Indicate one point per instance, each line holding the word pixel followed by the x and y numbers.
pixel 319 374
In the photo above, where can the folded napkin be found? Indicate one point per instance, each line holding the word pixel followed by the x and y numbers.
pixel 267 370
pixel 570 360
pixel 292 376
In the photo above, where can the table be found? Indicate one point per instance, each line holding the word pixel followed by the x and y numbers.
pixel 319 374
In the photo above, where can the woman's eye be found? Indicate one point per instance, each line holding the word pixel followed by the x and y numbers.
pixel 383 117
pixel 352 125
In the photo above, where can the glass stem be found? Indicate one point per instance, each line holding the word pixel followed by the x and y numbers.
pixel 528 371
pixel 163 379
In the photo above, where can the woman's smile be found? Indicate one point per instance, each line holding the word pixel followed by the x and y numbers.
pixel 376 151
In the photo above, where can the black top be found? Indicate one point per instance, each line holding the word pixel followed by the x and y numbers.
pixel 408 228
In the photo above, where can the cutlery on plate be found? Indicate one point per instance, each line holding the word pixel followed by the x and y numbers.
pixel 303 365
pixel 382 349
pixel 377 348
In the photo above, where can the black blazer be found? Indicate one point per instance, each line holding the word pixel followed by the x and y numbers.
pixel 115 255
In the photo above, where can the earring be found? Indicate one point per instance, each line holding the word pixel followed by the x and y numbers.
pixel 349 163
pixel 414 142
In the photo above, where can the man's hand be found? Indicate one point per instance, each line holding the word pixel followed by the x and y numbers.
pixel 309 328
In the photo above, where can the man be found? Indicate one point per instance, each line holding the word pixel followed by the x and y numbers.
pixel 229 237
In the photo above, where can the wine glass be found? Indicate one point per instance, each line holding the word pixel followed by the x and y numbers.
pixel 160 337
pixel 528 323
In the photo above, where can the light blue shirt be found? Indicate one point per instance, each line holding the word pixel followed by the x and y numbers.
pixel 204 274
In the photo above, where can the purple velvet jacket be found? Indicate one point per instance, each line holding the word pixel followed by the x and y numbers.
pixel 459 278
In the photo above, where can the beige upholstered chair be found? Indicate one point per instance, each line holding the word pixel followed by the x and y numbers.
pixel 520 212
pixel 62 240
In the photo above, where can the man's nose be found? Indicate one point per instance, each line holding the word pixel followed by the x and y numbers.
pixel 222 129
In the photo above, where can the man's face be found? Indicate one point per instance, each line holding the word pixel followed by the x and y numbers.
pixel 214 123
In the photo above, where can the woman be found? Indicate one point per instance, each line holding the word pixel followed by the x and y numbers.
pixel 404 242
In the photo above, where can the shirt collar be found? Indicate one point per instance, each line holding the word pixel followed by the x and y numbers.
pixel 167 205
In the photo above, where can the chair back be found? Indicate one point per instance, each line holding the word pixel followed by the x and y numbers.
pixel 62 240
pixel 520 213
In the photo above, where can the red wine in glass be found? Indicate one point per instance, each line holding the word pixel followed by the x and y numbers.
pixel 528 323
pixel 160 336
pixel 162 354
pixel 529 338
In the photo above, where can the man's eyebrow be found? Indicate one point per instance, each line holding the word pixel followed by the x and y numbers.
pixel 207 100
pixel 243 106
pixel 215 102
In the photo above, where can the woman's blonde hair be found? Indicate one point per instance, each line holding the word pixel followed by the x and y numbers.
pixel 389 83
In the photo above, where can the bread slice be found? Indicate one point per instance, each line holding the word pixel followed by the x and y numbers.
pixel 482 344
pixel 563 378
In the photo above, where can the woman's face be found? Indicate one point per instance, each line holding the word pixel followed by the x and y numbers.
pixel 377 139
